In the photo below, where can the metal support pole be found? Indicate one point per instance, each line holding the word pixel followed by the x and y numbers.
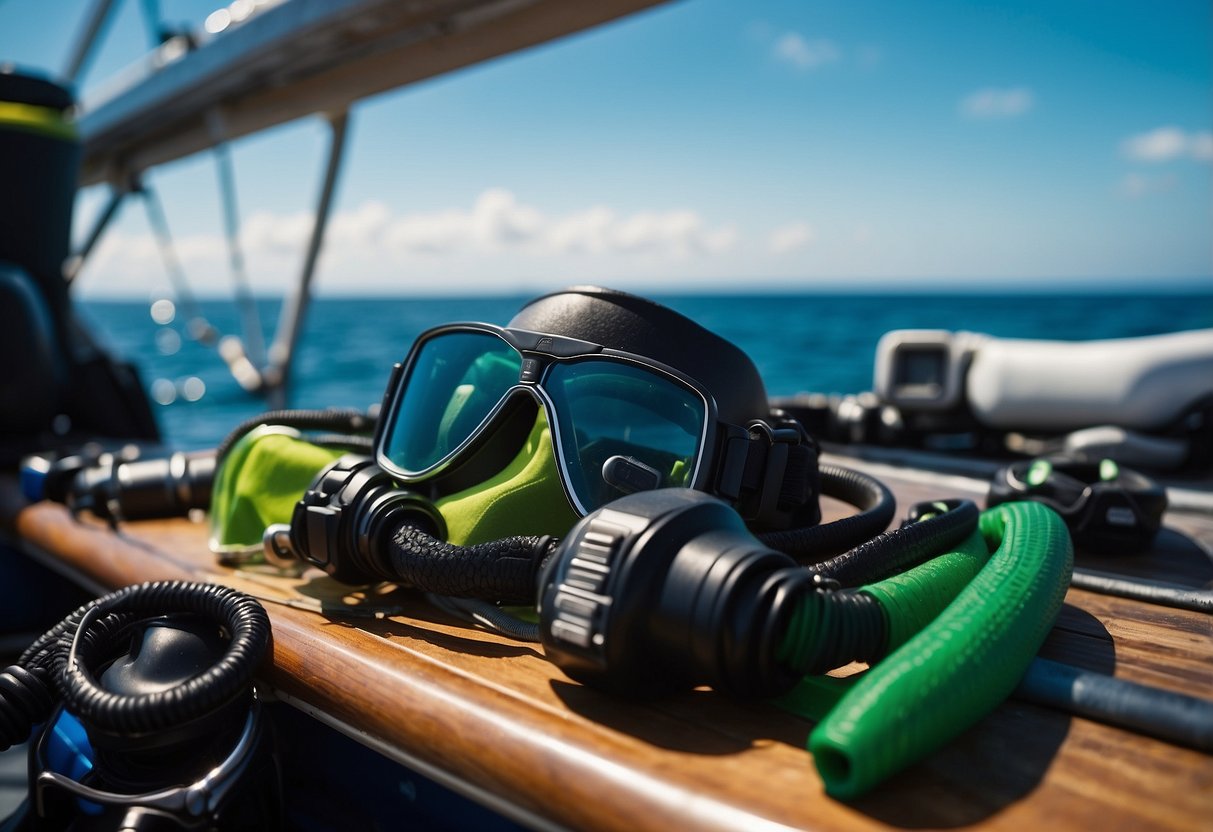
pixel 254 338
pixel 198 327
pixel 294 308
pixel 88 38
pixel 76 262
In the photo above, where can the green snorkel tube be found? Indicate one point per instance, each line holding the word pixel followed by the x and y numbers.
pixel 1008 583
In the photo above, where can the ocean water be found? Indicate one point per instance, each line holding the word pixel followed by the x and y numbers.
pixel 805 343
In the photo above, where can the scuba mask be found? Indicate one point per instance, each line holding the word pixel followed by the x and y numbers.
pixel 587 395
pixel 492 442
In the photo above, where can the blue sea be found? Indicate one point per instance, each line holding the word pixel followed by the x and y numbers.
pixel 803 343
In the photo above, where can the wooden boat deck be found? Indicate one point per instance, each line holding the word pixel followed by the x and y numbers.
pixel 492 719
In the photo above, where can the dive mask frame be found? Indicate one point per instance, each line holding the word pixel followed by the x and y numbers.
pixel 723 462
pixel 539 355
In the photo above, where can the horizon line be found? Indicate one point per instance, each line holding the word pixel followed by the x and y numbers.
pixel 892 288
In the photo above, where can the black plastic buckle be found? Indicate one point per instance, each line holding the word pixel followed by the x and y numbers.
pixel 770 473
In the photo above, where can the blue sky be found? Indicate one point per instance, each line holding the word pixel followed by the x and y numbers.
pixel 715 144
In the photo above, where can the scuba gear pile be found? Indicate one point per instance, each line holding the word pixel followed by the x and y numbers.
pixel 667 587
pixel 699 556
pixel 159 726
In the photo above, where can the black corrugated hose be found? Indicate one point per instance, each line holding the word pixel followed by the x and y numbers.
pixel 811 544
pixel 45 672
pixel 499 570
pixel 506 570
pixel 906 546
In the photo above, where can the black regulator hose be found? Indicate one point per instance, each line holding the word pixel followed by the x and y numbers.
pixel 929 528
pixel 498 570
pixel 358 525
pixel 62 663
pixel 848 624
pixel 812 544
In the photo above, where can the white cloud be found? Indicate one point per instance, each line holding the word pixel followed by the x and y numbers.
pixel 587 231
pixel 363 226
pixel 720 240
pixel 436 233
pixel 270 232
pixel 1138 185
pixel 1164 144
pixel 497 221
pixel 791 237
pixel 287 235
pixel 1157 145
pixel 677 233
pixel 992 102
pixel 372 244
pixel 792 49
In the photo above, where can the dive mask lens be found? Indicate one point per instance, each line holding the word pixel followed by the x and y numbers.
pixel 454 382
pixel 622 427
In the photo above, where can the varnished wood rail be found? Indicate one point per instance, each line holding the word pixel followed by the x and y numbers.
pixel 493 719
